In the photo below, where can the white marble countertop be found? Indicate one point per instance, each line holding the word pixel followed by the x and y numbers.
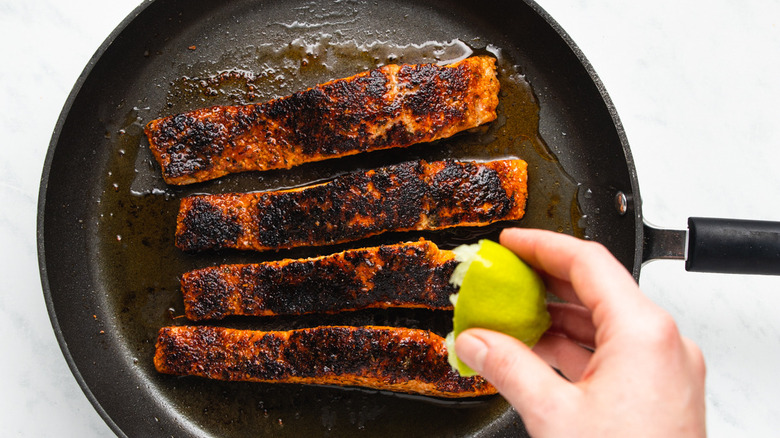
pixel 695 84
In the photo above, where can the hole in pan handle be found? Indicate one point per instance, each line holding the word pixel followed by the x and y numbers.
pixel 728 246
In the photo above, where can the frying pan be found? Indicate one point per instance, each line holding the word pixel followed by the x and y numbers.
pixel 107 261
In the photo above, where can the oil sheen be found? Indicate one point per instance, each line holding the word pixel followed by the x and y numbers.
pixel 137 215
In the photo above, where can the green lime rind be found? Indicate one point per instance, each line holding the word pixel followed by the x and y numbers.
pixel 498 292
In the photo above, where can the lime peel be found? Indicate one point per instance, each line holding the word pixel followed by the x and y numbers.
pixel 498 291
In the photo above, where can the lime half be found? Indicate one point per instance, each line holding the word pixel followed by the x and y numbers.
pixel 498 291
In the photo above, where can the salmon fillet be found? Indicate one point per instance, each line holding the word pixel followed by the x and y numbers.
pixel 383 358
pixel 407 275
pixel 392 106
pixel 409 196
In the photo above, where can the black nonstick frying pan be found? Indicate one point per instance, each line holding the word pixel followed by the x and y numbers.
pixel 108 266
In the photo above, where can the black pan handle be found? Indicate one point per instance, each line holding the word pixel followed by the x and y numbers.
pixel 733 246
pixel 728 246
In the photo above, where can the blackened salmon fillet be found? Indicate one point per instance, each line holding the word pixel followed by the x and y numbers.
pixel 405 275
pixel 383 358
pixel 409 196
pixel 392 106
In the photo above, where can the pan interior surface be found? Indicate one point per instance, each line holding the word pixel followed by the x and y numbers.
pixel 109 263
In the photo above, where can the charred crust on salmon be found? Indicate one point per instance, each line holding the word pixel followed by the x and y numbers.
pixel 209 225
pixel 385 358
pixel 410 275
pixel 402 197
pixel 392 106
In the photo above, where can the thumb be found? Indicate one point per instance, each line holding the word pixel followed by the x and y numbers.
pixel 522 377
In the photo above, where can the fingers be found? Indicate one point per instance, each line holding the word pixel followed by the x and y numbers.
pixel 519 375
pixel 544 250
pixel 574 322
pixel 601 283
pixel 560 288
pixel 568 357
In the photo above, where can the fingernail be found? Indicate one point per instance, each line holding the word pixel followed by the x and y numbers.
pixel 471 350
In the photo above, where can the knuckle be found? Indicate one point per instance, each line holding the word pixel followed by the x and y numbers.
pixel 663 329
pixel 666 326
pixel 659 332
pixel 696 357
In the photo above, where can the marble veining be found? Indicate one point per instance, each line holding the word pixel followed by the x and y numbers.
pixel 695 84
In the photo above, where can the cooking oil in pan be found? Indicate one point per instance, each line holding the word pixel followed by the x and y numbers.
pixel 138 213
pixel 282 71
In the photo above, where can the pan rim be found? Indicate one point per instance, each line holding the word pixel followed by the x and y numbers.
pixel 635 200
pixel 76 90
pixel 41 206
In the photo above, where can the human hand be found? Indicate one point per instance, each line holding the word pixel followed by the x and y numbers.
pixel 629 371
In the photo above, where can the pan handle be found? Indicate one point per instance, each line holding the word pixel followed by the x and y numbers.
pixel 729 246
pixel 733 246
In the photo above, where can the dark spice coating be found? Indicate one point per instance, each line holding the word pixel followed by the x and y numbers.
pixel 392 106
pixel 384 358
pixel 407 196
pixel 208 220
pixel 406 275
